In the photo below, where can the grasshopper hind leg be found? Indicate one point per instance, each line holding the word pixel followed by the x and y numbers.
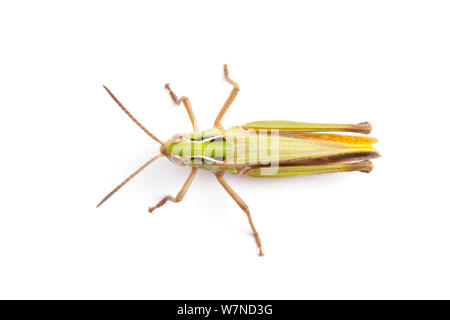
pixel 243 206
pixel 288 171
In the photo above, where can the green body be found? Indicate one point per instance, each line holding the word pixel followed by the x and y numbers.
pixel 275 149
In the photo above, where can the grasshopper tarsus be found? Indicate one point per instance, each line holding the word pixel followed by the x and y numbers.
pixel 225 70
pixel 186 104
pixel 180 194
pixel 172 94
pixel 227 77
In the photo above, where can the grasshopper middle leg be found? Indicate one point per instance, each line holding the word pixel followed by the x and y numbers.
pixel 180 194
pixel 230 99
pixel 244 207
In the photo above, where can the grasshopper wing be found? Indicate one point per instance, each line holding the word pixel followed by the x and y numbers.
pixel 292 127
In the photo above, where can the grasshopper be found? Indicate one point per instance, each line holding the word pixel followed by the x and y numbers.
pixel 264 149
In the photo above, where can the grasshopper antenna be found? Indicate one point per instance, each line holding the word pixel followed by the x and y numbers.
pixel 131 176
pixel 131 116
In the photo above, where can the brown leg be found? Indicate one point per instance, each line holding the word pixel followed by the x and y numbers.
pixel 233 94
pixel 180 194
pixel 186 104
pixel 244 207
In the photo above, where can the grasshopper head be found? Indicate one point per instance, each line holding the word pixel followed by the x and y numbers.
pixel 178 149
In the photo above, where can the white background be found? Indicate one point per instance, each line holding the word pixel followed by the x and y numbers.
pixel 65 144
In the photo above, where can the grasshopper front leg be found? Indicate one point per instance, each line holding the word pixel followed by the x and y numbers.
pixel 180 194
pixel 243 206
pixel 230 99
pixel 186 104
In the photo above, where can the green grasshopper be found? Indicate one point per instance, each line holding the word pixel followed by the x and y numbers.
pixel 265 149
